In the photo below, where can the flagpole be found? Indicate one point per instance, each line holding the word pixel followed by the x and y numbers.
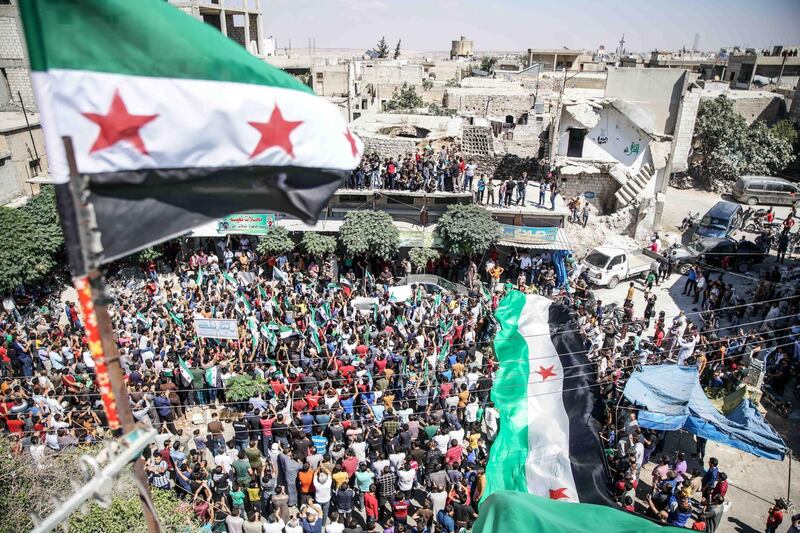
pixel 83 249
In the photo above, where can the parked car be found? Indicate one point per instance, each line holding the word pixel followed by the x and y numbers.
pixel 767 190
pixel 742 254
pixel 608 266
pixel 720 221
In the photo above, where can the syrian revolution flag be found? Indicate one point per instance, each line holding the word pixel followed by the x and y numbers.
pixel 545 391
pixel 174 124
pixel 185 371
pixel 507 512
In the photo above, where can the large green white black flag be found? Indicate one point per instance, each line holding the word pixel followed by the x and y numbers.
pixel 545 391
pixel 175 124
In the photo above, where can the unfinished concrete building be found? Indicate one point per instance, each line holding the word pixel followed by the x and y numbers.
pixel 240 20
pixel 779 66
pixel 14 72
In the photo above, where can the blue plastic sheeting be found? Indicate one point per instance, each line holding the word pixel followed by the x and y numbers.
pixel 560 267
pixel 674 399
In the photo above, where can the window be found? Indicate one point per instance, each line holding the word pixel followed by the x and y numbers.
pixel 617 261
pixel 320 75
pixel 788 189
pixel 756 186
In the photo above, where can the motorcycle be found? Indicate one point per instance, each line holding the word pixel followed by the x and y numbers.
pixel 689 221
pixel 758 225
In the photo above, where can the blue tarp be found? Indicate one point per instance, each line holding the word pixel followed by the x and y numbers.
pixel 674 399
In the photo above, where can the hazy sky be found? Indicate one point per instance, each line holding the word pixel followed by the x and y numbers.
pixel 521 24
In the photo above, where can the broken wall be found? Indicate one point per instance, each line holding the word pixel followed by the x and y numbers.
pixel 386 146
pixel 658 90
pixel 600 185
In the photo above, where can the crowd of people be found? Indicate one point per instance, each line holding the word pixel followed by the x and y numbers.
pixel 362 412
pixel 430 171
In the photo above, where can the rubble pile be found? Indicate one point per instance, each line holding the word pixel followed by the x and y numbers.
pixel 615 229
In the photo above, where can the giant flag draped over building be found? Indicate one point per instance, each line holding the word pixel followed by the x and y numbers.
pixel 173 123
pixel 546 394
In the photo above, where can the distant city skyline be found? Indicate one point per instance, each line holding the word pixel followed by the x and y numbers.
pixel 511 25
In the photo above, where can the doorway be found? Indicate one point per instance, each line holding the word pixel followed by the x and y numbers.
pixel 575 146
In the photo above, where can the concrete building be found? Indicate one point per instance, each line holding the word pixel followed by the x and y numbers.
pixel 556 59
pixel 241 20
pixel 766 106
pixel 709 66
pixel 13 65
pixel 794 113
pixel 508 102
pixel 615 149
pixel 462 49
pixel 779 66
pixel 22 156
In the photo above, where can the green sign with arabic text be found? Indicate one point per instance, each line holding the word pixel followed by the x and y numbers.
pixel 247 223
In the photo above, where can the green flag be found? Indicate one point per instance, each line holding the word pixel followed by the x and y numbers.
pixel 199 279
pixel 268 334
pixel 315 338
pixel 444 350
pixel 437 301
pixel 185 371
pixel 141 318
pixel 230 280
pixel 509 512
pixel 175 318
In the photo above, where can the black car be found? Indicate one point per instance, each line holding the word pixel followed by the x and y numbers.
pixel 741 254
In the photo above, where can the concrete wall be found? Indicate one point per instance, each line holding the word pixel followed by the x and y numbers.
pixel 379 72
pixel 767 108
pixel 477 140
pixel 329 80
pixel 657 90
pixel 621 134
pixel 14 149
pixel 794 113
pixel 12 61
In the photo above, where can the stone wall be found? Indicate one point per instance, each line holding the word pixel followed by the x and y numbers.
pixel 386 146
pixel 12 60
pixel 487 103
pixel 602 184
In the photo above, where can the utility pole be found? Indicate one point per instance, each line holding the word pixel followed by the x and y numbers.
pixel 621 50
pixel 349 89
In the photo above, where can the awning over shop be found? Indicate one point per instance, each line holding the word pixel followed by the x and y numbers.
pixel 673 399
pixel 534 238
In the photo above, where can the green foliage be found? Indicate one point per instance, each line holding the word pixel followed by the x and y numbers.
pixel 30 241
pixel 382 48
pixel 786 130
pixel 369 231
pixel 452 82
pixel 488 63
pixel 729 148
pixel 405 98
pixel 467 229
pixel 148 254
pixel 439 111
pixel 420 257
pixel 427 84
pixel 125 514
pixel 318 244
pixel 397 49
pixel 242 388
pixel 27 486
pixel 275 242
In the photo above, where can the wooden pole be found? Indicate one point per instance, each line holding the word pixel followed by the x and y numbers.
pixel 78 228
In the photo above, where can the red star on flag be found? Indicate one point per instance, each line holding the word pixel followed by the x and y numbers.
pixel 352 140
pixel 546 372
pixel 118 125
pixel 558 494
pixel 275 133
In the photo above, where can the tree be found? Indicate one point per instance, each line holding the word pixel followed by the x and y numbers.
pixel 148 254
pixel 728 148
pixel 488 63
pixel 31 241
pixel 382 48
pixel 467 229
pixel 275 242
pixel 427 84
pixel 242 388
pixel 397 49
pixel 452 82
pixel 420 257
pixel 317 244
pixel 369 231
pixel 405 98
